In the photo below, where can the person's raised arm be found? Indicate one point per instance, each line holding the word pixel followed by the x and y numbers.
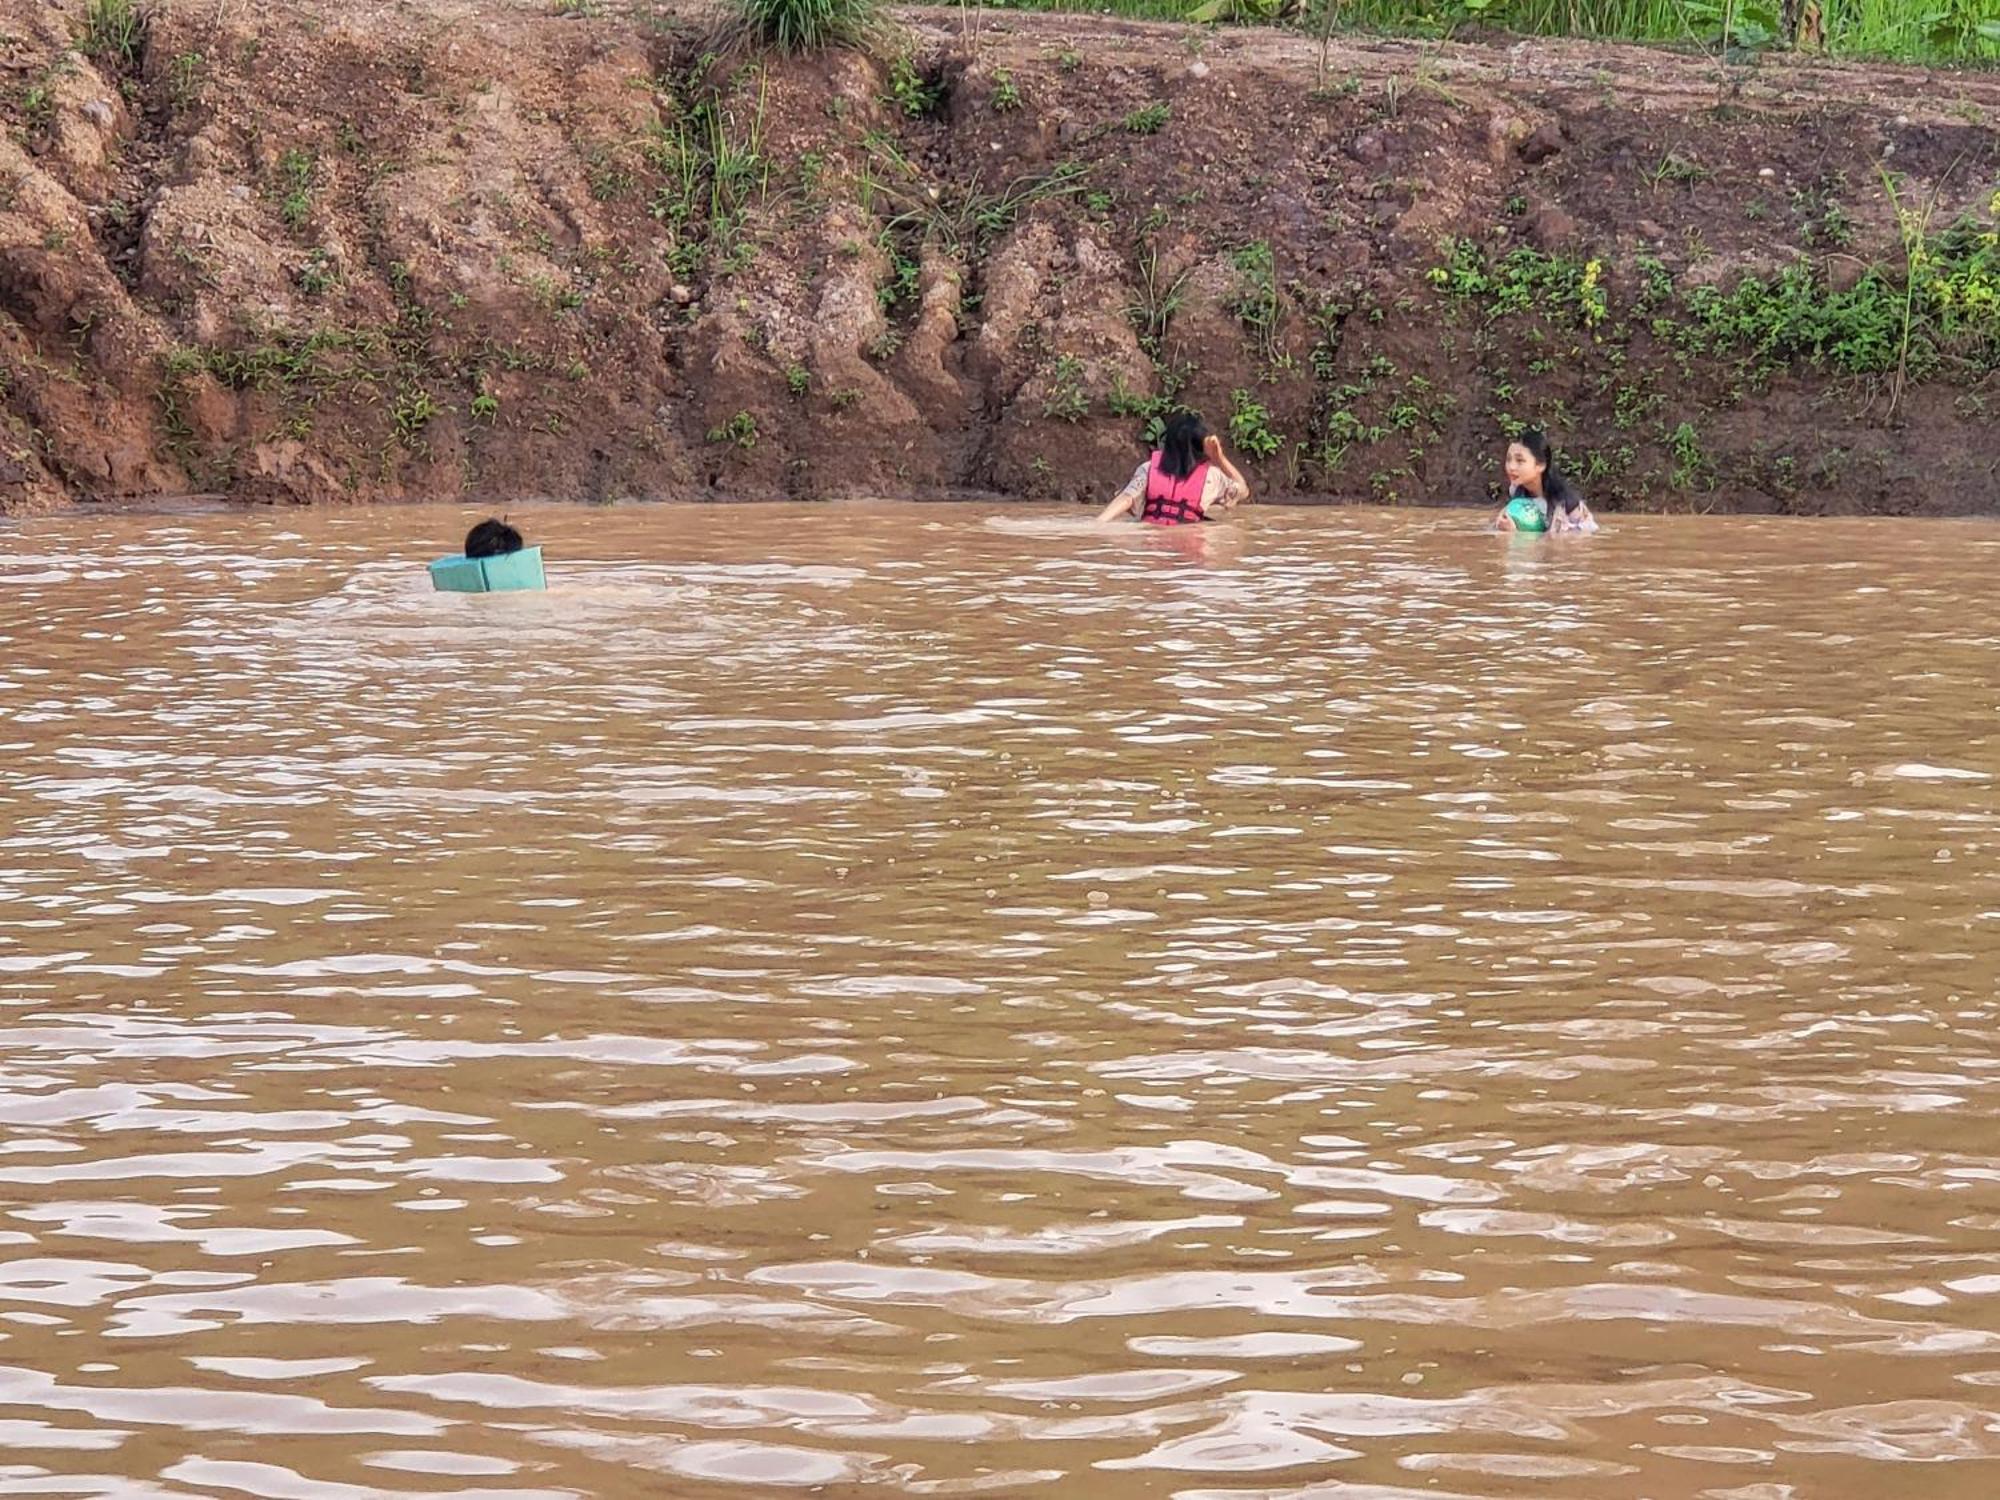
pixel 1239 487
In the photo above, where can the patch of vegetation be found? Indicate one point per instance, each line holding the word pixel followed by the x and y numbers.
pixel 185 75
pixel 909 91
pixel 296 170
pixel 319 274
pixel 798 379
pixel 1255 300
pixel 709 154
pixel 1250 425
pixel 1006 93
pixel 1149 119
pixel 1066 399
pixel 114 33
pixel 740 429
pixel 1524 280
pixel 808 25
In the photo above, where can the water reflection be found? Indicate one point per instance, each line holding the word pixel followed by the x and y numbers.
pixel 863 997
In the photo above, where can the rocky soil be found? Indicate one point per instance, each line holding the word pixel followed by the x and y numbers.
pixel 334 250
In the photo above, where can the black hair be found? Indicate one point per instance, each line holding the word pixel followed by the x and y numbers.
pixel 1181 444
pixel 1556 490
pixel 492 537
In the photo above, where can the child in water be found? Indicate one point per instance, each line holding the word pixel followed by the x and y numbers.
pixel 492 537
pixel 1532 476
pixel 1188 478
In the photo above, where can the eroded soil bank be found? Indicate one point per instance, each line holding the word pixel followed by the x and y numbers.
pixel 328 250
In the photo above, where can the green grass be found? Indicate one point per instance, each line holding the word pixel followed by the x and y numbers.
pixel 114 32
pixel 809 25
pixel 1925 31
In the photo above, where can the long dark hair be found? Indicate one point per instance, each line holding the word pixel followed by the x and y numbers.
pixel 1181 444
pixel 1556 490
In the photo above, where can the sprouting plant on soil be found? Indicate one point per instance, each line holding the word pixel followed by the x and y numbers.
pixel 1160 297
pixel 296 169
pixel 909 91
pixel 798 379
pixel 1675 168
pixel 1255 299
pixel 319 274
pixel 588 10
pixel 1149 119
pixel 1690 463
pixel 608 172
pixel 844 398
pixel 1065 399
pixel 184 78
pixel 740 429
pixel 38 104
pixel 884 345
pixel 1006 93
pixel 904 281
pixel 414 411
pixel 1250 425
pixel 485 408
pixel 1069 60
pixel 114 32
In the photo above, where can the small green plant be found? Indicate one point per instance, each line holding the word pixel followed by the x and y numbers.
pixel 587 10
pixel 1675 168
pixel 1006 95
pixel 798 379
pixel 184 78
pixel 114 32
pixel 1065 399
pixel 844 398
pixel 909 91
pixel 414 411
pixel 296 170
pixel 1250 425
pixel 609 174
pixel 319 274
pixel 884 345
pixel 740 429
pixel 485 408
pixel 1069 60
pixel 1691 465
pixel 1255 300
pixel 1148 120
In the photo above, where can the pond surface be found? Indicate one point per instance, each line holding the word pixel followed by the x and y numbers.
pixel 894 1000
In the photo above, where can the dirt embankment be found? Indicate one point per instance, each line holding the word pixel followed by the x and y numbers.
pixel 334 249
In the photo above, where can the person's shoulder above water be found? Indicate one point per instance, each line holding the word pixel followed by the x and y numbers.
pixel 492 537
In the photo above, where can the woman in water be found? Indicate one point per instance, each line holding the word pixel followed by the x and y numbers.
pixel 1533 476
pixel 1188 478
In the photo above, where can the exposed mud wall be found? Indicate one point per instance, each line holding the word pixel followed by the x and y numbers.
pixel 332 249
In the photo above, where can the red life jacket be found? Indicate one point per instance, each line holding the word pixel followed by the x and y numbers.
pixel 1171 501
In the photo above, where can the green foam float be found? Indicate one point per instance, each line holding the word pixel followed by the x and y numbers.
pixel 508 573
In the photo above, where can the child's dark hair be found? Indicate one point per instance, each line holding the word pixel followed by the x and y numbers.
pixel 492 537
pixel 1181 445
pixel 1555 488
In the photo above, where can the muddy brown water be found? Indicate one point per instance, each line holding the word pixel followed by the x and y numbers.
pixel 904 1001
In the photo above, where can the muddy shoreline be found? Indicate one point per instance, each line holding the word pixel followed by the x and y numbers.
pixel 325 253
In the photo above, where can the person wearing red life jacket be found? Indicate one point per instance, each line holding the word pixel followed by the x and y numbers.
pixel 1188 478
